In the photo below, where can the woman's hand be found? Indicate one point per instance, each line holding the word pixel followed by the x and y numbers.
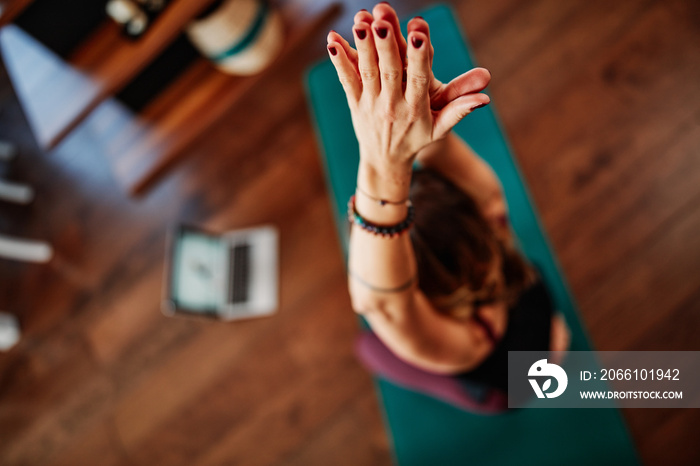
pixel 393 118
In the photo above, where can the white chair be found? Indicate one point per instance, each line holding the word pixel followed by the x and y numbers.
pixel 16 248
pixel 9 331
pixel 24 250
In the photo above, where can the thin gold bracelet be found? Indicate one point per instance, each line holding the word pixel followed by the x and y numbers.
pixel 397 289
pixel 381 202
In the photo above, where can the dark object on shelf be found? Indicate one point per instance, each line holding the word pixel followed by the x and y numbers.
pixel 135 16
pixel 159 74
pixel 62 25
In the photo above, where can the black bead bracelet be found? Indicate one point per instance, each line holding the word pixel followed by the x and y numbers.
pixel 380 230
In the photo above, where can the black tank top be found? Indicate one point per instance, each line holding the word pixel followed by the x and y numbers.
pixel 529 325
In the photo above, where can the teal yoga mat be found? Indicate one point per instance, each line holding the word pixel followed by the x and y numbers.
pixel 426 431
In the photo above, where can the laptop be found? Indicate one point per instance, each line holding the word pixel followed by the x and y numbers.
pixel 226 276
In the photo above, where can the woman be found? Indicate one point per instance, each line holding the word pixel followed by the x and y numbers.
pixel 437 277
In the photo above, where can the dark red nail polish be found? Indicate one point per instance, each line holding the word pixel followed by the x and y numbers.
pixel 417 42
pixel 363 9
pixel 502 220
pixel 332 50
pixel 418 17
pixel 384 3
pixel 382 32
pixel 361 33
pixel 479 106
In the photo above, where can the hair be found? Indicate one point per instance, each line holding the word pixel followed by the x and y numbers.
pixel 457 252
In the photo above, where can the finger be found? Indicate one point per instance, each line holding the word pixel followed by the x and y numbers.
pixel 385 12
pixel 346 72
pixel 390 64
pixel 367 64
pixel 454 111
pixel 418 70
pixel 471 82
pixel 349 51
pixel 418 24
pixel 363 16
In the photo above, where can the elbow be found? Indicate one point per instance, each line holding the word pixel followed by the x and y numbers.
pixel 360 306
pixel 437 362
pixel 366 303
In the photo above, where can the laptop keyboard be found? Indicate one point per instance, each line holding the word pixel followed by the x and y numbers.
pixel 239 273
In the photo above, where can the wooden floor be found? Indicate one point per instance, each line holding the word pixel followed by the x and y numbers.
pixel 600 101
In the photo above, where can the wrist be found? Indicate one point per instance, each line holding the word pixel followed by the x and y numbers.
pixel 389 182
pixel 435 149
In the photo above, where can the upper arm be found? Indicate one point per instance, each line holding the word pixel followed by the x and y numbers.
pixel 457 162
pixel 430 340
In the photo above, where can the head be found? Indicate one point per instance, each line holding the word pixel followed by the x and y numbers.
pixel 461 262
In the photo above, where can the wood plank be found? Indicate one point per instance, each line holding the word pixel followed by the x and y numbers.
pixel 290 422
pixel 608 177
pixel 534 21
pixel 357 425
pixel 100 441
pixel 548 68
pixel 72 399
pixel 637 288
pixel 672 441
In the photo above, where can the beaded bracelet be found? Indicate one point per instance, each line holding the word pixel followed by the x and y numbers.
pixel 383 231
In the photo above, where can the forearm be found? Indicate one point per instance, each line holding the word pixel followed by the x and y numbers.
pixel 432 341
pixel 382 270
pixel 456 161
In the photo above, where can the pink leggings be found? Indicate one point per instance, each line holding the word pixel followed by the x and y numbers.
pixel 380 361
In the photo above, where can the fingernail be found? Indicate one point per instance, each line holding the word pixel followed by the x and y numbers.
pixel 332 50
pixel 363 9
pixel 502 220
pixel 384 3
pixel 479 106
pixel 418 17
pixel 361 33
pixel 382 32
pixel 417 42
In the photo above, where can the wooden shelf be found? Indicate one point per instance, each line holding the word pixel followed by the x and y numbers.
pixel 63 94
pixel 143 148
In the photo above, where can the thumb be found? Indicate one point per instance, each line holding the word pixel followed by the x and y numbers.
pixel 453 112
pixel 471 82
